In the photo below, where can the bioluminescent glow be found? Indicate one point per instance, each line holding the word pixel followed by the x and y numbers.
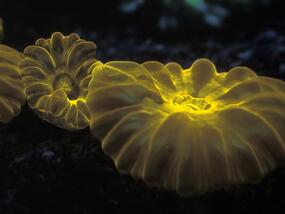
pixel 188 130
pixel 56 76
pixel 12 94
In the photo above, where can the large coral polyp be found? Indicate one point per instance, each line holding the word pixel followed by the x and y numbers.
pixel 56 76
pixel 188 130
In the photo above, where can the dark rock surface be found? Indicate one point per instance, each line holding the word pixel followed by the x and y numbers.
pixel 47 170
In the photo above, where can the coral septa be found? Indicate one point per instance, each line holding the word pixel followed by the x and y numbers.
pixel 57 103
pixel 41 56
pixel 33 71
pixel 56 73
pixel 202 72
pixel 238 74
pixel 71 40
pixel 132 69
pixel 10 57
pixel 80 53
pixel 124 95
pixel 12 94
pixel 8 108
pixel 58 48
pixel 161 74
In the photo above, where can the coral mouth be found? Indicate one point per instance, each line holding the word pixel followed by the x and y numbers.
pixel 191 103
pixel 66 82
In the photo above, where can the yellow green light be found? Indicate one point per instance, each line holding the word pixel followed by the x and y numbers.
pixel 188 130
pixel 56 73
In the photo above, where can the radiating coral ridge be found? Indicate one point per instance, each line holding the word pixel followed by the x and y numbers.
pixel 188 130
pixel 12 94
pixel 56 73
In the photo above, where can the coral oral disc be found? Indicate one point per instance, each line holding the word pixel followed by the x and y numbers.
pixel 188 130
pixel 64 81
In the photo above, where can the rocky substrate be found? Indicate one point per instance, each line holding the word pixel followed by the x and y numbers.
pixel 46 170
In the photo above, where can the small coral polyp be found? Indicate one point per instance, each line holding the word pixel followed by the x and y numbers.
pixel 12 94
pixel 56 73
pixel 188 130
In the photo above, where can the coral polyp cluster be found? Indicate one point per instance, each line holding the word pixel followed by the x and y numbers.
pixel 12 94
pixel 56 74
pixel 188 130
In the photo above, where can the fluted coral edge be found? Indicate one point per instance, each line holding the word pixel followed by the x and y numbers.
pixel 12 94
pixel 56 75
pixel 188 130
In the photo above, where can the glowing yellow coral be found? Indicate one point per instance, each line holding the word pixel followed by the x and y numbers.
pixel 192 130
pixel 12 94
pixel 56 76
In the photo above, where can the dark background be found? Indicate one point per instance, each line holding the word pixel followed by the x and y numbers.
pixel 44 169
